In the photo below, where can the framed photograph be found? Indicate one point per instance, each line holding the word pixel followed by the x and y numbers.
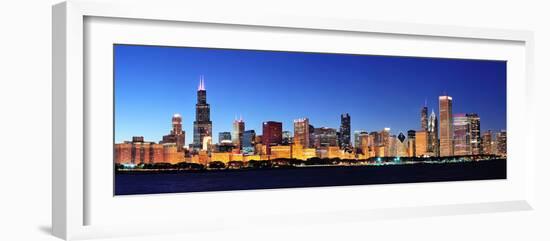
pixel 202 122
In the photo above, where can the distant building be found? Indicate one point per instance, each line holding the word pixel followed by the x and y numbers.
pixel 401 145
pixel 421 143
pixel 325 137
pixel 202 126
pixel 311 136
pixel 345 131
pixel 411 143
pixel 281 152
pixel 362 142
pixel 237 135
pixel 224 137
pixel 171 154
pixel 487 143
pixel 375 139
pixel 287 138
pixel 392 146
pixel 138 151
pixel 461 140
pixel 446 147
pixel 177 134
pixel 248 142
pixel 258 139
pixel 356 140
pixel 424 118
pixel 272 134
pixel 475 133
pixel 385 140
pixel 433 135
pixel 301 132
pixel 501 143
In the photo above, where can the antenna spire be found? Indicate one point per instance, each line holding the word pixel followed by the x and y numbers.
pixel 201 83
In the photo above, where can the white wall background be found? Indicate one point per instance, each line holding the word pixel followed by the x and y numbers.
pixel 25 119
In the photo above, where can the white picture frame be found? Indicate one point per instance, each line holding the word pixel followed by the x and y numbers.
pixel 71 110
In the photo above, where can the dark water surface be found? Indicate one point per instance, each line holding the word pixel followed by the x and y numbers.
pixel 224 180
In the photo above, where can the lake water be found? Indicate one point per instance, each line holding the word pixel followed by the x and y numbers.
pixel 224 180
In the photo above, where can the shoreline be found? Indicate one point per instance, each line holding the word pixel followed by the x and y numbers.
pixel 244 169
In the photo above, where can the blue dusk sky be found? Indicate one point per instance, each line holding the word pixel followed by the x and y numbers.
pixel 153 83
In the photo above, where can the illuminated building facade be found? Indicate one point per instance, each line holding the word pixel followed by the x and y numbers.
pixel 202 126
pixel 325 137
pixel 281 152
pixel 433 136
pixel 446 147
pixel 177 134
pixel 138 151
pixel 374 139
pixel 237 135
pixel 248 142
pixel 424 118
pixel 421 143
pixel 363 145
pixel 345 131
pixel 356 138
pixel 272 134
pixel 411 143
pixel 487 143
pixel 501 143
pixel 475 133
pixel 301 132
pixel 461 141
pixel 171 154
pixel 385 140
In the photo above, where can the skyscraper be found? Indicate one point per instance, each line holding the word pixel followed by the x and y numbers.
pixel 325 137
pixel 237 134
pixel 501 143
pixel 301 132
pixel 475 133
pixel 446 126
pixel 272 134
pixel 421 143
pixel 411 143
pixel 461 128
pixel 177 134
pixel 363 142
pixel 424 118
pixel 248 141
pixel 345 131
pixel 356 138
pixel 487 143
pixel 311 136
pixel 385 140
pixel 202 126
pixel 433 139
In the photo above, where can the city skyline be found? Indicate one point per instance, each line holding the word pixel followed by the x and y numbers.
pixel 400 115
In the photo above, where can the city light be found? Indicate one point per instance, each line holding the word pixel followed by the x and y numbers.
pixel 307 142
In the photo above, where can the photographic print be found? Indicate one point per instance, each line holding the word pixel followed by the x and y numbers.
pixel 190 119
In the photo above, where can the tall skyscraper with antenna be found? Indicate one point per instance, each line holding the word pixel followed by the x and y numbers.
pixel 202 126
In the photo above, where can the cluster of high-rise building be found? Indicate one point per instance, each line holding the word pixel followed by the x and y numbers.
pixel 459 134
pixel 449 135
